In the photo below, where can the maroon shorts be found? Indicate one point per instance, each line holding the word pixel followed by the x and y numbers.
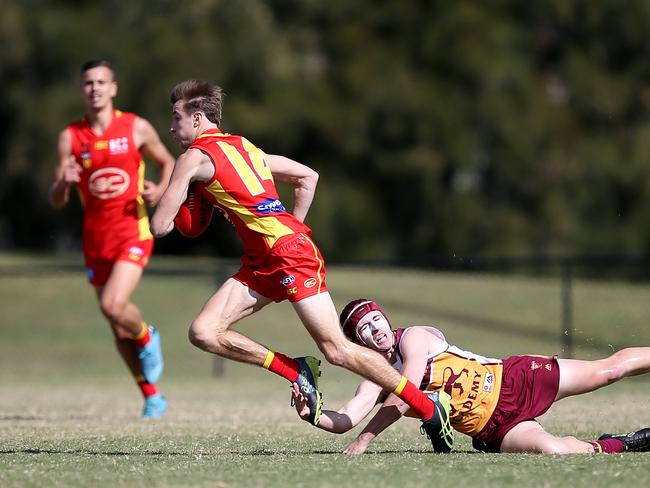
pixel 135 251
pixel 528 388
pixel 294 269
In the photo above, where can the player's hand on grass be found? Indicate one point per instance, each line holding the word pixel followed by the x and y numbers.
pixel 357 446
pixel 299 401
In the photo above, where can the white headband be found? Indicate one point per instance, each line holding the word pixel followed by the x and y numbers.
pixel 359 305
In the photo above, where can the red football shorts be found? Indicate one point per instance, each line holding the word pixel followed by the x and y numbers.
pixel 294 269
pixel 528 388
pixel 135 251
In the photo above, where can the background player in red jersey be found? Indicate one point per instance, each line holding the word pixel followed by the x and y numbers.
pixel 102 155
pixel 495 401
pixel 280 260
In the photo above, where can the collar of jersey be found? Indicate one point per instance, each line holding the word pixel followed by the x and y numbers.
pixel 212 133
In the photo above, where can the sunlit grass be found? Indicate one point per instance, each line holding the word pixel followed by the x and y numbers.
pixel 69 411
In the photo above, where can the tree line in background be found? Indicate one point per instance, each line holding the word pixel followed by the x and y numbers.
pixel 439 128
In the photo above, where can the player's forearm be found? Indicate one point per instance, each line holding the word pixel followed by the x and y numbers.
pixel 335 422
pixel 162 221
pixel 59 194
pixel 303 194
pixel 302 199
pixel 385 417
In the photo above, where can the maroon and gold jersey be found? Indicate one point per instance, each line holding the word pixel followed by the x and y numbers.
pixel 472 381
pixel 242 188
pixel 112 180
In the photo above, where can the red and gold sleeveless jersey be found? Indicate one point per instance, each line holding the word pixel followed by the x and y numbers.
pixel 111 184
pixel 473 381
pixel 242 188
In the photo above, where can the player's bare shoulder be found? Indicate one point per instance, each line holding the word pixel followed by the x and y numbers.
pixel 143 132
pixel 418 336
pixel 64 144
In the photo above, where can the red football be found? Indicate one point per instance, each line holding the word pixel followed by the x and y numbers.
pixel 195 213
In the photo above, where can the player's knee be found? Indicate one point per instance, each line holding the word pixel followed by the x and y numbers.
pixel 206 335
pixel 621 363
pixel 616 373
pixel 112 308
pixel 335 354
pixel 199 335
pixel 120 332
pixel 558 445
pixel 614 368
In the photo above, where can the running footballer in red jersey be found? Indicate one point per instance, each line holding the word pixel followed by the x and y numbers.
pixel 495 401
pixel 280 259
pixel 102 156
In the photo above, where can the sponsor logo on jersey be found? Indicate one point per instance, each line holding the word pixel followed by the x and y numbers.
pixel 119 145
pixel 138 251
pixel 85 155
pixel 310 282
pixel 100 145
pixel 107 183
pixel 488 382
pixel 87 163
pixel 288 280
pixel 270 206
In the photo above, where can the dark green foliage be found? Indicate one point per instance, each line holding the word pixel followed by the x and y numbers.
pixel 438 128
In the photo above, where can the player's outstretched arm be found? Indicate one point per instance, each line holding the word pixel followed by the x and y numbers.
pixel 349 415
pixel 192 165
pixel 414 347
pixel 302 178
pixel 66 174
pixel 387 415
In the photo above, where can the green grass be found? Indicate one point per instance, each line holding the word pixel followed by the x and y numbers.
pixel 68 409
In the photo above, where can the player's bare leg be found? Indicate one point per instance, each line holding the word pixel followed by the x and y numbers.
pixel 115 299
pixel 530 437
pixel 124 317
pixel 138 344
pixel 578 376
pixel 211 332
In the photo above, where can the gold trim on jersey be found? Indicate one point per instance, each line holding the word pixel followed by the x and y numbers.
pixel 320 262
pixel 213 134
pixel 144 232
pixel 81 197
pixel 269 227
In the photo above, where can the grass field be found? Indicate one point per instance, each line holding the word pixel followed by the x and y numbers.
pixel 69 411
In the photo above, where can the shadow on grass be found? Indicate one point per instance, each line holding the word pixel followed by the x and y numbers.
pixel 256 453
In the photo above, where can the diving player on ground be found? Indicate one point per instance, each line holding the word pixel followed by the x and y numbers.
pixel 494 401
